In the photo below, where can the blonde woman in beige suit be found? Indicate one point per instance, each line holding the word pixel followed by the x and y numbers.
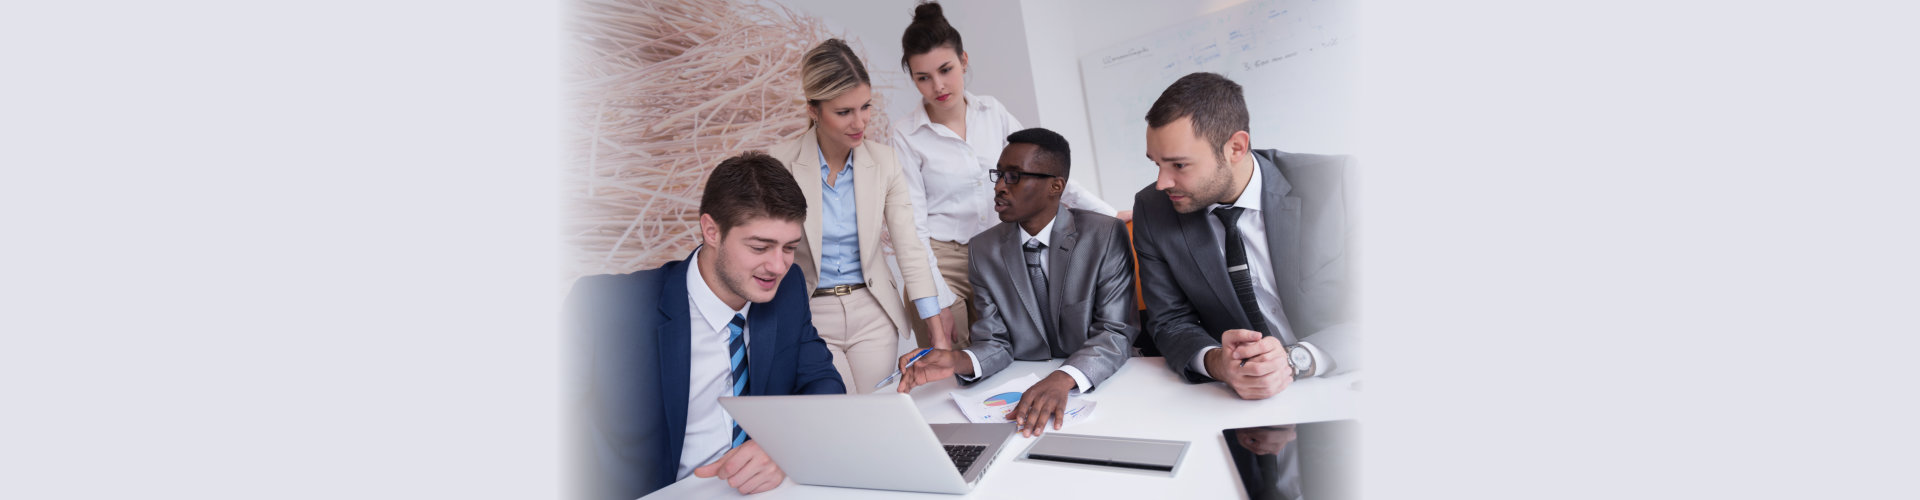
pixel 854 189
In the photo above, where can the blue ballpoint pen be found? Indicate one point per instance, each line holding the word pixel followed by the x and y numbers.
pixel 896 373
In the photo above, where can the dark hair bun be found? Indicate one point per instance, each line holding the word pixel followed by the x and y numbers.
pixel 929 30
pixel 928 12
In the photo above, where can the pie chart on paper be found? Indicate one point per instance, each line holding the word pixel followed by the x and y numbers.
pixel 1003 399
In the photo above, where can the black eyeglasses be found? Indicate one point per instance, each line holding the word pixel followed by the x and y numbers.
pixel 1013 176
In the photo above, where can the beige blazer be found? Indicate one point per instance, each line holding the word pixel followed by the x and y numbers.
pixel 881 200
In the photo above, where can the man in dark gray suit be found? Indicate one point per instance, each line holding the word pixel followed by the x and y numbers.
pixel 1243 252
pixel 1050 283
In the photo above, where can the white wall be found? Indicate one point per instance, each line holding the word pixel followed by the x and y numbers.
pixel 991 29
pixel 1056 86
pixel 997 42
pixel 1023 52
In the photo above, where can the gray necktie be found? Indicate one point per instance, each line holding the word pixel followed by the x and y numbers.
pixel 1039 277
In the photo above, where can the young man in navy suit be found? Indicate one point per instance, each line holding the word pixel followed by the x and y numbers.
pixel 658 348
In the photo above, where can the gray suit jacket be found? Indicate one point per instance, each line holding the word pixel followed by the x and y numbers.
pixel 1183 272
pixel 1090 278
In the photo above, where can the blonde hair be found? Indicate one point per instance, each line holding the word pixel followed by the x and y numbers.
pixel 831 70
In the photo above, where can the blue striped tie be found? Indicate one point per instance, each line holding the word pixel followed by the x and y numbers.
pixel 737 345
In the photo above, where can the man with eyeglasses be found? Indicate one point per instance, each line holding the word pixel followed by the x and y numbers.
pixel 1050 282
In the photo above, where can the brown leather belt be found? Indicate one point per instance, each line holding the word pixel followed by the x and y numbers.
pixel 838 289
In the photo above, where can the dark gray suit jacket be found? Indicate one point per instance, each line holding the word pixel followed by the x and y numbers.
pixel 1183 272
pixel 1090 278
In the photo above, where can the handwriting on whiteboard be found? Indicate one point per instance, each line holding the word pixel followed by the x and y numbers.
pixel 1246 65
pixel 1294 57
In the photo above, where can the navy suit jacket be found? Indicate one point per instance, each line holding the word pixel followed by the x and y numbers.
pixel 632 335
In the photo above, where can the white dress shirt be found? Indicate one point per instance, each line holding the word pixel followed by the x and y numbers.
pixel 1253 234
pixel 709 427
pixel 952 198
pixel 1079 379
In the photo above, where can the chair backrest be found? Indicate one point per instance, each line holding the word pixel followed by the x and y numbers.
pixel 1145 340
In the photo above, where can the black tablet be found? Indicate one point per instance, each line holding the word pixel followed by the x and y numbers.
pixel 1315 461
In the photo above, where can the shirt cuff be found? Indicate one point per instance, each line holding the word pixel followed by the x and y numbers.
pixel 1079 379
pixel 928 306
pixel 1321 363
pixel 1199 364
pixel 976 367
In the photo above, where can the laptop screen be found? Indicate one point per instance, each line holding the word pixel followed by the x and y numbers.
pixel 1315 461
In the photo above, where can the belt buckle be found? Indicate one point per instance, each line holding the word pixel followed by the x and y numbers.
pixel 842 289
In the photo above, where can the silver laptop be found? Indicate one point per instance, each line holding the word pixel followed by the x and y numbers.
pixel 874 441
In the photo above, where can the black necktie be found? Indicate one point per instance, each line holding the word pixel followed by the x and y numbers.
pixel 1038 276
pixel 1237 269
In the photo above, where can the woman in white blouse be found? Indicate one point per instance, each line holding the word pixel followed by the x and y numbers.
pixel 946 148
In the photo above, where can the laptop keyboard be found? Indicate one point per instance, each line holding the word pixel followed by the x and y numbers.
pixel 964 455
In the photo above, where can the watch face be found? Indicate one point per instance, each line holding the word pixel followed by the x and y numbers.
pixel 1300 358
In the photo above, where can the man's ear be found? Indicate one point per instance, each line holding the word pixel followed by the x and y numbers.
pixel 709 230
pixel 1238 146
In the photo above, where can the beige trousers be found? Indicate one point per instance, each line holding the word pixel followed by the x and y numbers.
pixel 864 344
pixel 953 268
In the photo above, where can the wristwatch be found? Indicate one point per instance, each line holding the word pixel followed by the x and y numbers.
pixel 1300 360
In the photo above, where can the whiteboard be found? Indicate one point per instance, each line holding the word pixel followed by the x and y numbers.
pixel 1294 59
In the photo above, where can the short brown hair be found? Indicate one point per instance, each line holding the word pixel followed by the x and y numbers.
pixel 1213 102
pixel 751 186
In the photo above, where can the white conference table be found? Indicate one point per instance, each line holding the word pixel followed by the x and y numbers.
pixel 1142 400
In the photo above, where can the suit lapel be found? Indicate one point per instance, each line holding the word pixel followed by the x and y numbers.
pixel 1060 248
pixel 1204 248
pixel 763 332
pixel 806 172
pixel 1283 227
pixel 869 194
pixel 675 353
pixel 1015 257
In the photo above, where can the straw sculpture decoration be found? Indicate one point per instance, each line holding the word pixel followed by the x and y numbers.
pixel 659 92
